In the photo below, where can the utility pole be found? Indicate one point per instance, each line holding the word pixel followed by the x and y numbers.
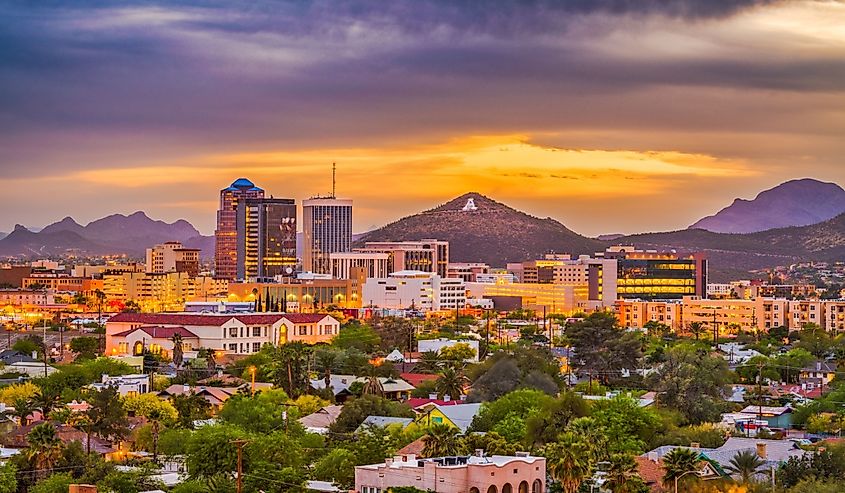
pixel 715 331
pixel 45 345
pixel 240 444
pixel 760 390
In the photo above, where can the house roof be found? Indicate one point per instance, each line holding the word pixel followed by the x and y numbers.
pixel 414 448
pixel 382 421
pixel 651 472
pixel 322 418
pixel 341 383
pixel 817 366
pixel 416 402
pixel 9 356
pixel 460 415
pixel 416 379
pixel 215 395
pixel 777 451
pixel 67 434
pixel 766 410
pixel 202 319
pixel 157 332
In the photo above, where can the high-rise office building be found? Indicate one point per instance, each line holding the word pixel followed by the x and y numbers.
pixel 326 229
pixel 653 275
pixel 226 234
pixel 266 236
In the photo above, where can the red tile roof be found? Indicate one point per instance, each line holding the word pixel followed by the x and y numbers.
pixel 416 379
pixel 416 447
pixel 157 332
pixel 203 319
pixel 651 473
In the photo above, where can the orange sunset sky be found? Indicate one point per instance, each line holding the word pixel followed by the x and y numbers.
pixel 609 116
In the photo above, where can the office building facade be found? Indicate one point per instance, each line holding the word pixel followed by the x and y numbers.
pixel 226 234
pixel 653 275
pixel 266 238
pixel 173 257
pixel 372 264
pixel 326 229
pixel 427 255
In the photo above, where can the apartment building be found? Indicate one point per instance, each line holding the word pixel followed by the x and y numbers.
pixel 162 292
pixel 171 256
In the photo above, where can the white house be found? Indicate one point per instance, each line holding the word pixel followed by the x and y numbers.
pixel 125 384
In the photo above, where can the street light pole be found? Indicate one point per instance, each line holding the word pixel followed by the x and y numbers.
pixel 679 477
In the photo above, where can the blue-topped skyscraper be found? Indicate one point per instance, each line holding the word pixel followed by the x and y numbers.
pixel 226 235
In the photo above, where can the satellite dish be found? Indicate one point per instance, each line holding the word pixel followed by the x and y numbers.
pixel 289 270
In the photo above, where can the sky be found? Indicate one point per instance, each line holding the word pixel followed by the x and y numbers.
pixel 611 116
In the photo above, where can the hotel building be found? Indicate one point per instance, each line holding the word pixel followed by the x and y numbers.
pixel 266 238
pixel 326 229
pixel 226 234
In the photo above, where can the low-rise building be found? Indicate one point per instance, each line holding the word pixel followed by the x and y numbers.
pixel 125 384
pixel 415 289
pixel 130 333
pixel 473 474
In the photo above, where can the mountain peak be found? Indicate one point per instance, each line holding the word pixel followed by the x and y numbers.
pixel 480 229
pixel 799 202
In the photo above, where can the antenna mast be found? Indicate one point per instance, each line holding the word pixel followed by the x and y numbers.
pixel 334 166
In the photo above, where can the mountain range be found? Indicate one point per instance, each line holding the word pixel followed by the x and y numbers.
pixel 114 234
pixel 794 203
pixel 480 229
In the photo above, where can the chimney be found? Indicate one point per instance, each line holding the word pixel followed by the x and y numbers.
pixel 479 452
pixel 186 388
pixel 463 398
pixel 522 454
pixel 761 450
pixel 652 456
pixel 82 488
pixel 447 398
pixel 818 366
pixel 432 397
pixel 388 461
pixel 695 445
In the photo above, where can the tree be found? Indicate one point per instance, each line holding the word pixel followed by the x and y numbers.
pixel 327 359
pixel 627 426
pixel 429 362
pixel 190 407
pixel 84 347
pixel 210 451
pixel 56 483
pixel 602 348
pixel 372 384
pixel 569 461
pixel 289 368
pixel 457 353
pixel 451 382
pixel 692 382
pixel 11 393
pixel 678 463
pixel 442 440
pixel 519 404
pixel 30 344
pixel 354 412
pixel 622 475
pixel 23 408
pixel 45 448
pixel 745 464
pixel 8 478
pixel 262 413
pixel 544 426
pixel 107 415
pixel 147 404
pixel 696 329
pixel 358 336
pixel 338 466
pixel 177 350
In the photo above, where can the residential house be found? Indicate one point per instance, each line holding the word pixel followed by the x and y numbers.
pixel 459 415
pixel 67 434
pixel 474 474
pixel 394 388
pixel 320 421
pixel 383 422
pixel 216 396
pixel 125 384
pixel 817 374
pixel 775 416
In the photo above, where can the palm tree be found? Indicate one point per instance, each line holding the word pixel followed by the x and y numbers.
pixel 155 416
pixel 23 408
pixel 177 349
pixel 569 461
pixel 327 359
pixel 442 440
pixel 45 448
pixel 745 464
pixel 622 475
pixel 696 329
pixel 451 382
pixel 679 462
pixel 429 362
pixel 373 385
pixel 83 422
pixel 44 402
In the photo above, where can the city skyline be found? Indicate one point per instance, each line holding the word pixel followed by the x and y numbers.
pixel 597 114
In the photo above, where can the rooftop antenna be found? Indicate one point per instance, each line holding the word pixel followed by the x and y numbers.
pixel 334 167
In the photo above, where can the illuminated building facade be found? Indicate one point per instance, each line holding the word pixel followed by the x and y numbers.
pixel 652 275
pixel 372 264
pixel 173 257
pixel 597 275
pixel 266 238
pixel 468 271
pixel 427 255
pixel 303 295
pixel 326 229
pixel 554 298
pixel 161 292
pixel 424 291
pixel 226 234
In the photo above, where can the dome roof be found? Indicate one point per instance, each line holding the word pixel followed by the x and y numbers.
pixel 243 183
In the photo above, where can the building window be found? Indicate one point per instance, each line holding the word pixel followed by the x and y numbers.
pixel 303 330
pixel 233 347
pixel 256 332
pixel 233 332
pixel 256 346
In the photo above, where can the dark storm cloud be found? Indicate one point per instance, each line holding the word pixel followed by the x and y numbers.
pixel 77 76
